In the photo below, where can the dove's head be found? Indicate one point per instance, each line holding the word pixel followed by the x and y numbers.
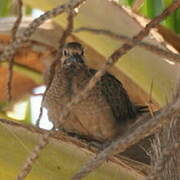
pixel 72 57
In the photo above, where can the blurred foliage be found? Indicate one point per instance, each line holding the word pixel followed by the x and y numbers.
pixel 28 113
pixel 149 8
pixel 152 8
pixel 126 2
pixel 20 111
pixel 8 8
pixel 5 8
pixel 50 160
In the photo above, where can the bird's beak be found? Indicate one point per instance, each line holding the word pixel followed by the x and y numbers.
pixel 74 61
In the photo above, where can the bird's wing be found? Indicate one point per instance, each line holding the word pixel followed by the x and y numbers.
pixel 116 96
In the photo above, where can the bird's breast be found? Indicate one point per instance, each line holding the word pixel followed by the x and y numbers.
pixel 92 117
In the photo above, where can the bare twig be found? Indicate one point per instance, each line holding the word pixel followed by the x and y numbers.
pixel 62 40
pixel 40 115
pixel 149 103
pixel 140 132
pixel 10 77
pixel 18 20
pixel 45 138
pixel 34 156
pixel 63 137
pixel 12 47
pixel 144 127
pixel 11 59
pixel 83 94
pixel 162 52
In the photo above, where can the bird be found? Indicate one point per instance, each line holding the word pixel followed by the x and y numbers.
pixel 106 111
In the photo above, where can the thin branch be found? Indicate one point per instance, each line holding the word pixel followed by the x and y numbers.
pixel 63 137
pixel 148 128
pixel 33 129
pixel 162 52
pixel 10 78
pixel 18 20
pixel 34 156
pixel 45 138
pixel 149 103
pixel 83 94
pixel 139 132
pixel 27 71
pixel 62 40
pixel 11 59
pixel 12 47
pixel 144 127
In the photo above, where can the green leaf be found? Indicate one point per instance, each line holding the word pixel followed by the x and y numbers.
pixel 177 21
pixel 28 116
pixel 28 10
pixel 5 7
pixel 141 66
pixel 152 8
pixel 170 20
pixel 59 160
pixel 126 2
pixel 28 72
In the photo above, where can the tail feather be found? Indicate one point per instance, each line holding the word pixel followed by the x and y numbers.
pixel 142 109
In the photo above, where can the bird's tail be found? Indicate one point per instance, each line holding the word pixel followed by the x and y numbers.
pixel 142 109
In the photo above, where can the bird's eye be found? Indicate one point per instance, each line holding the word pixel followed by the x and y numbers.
pixel 65 53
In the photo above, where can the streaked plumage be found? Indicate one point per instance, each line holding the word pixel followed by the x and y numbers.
pixel 106 111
